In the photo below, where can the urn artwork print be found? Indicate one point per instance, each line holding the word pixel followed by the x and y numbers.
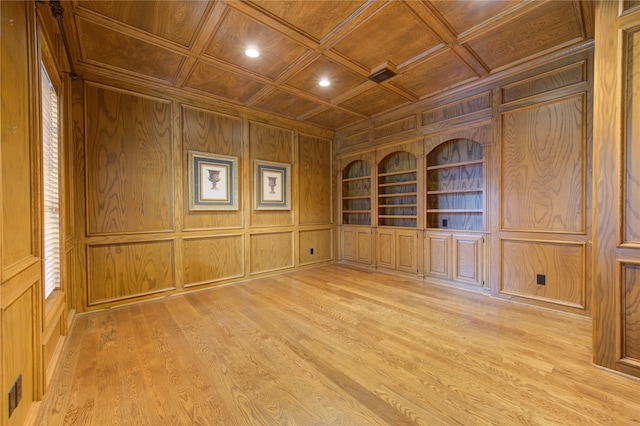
pixel 213 181
pixel 272 185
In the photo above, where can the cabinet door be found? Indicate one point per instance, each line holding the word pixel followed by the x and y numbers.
pixel 363 245
pixel 406 252
pixel 385 248
pixel 348 243
pixel 468 258
pixel 437 256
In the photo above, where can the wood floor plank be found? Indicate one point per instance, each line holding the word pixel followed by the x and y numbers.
pixel 334 345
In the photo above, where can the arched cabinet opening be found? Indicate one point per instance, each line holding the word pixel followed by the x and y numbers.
pixel 356 193
pixel 398 190
pixel 455 186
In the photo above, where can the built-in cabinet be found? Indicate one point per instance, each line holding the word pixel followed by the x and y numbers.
pixel 357 244
pixel 397 249
pixel 356 237
pixel 452 248
pixel 455 256
pixel 454 239
pixel 495 186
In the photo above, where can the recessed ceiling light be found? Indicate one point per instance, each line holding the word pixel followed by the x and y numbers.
pixel 324 82
pixel 252 52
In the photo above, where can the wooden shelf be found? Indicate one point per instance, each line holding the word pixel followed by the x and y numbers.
pixel 451 165
pixel 407 182
pixel 398 194
pixel 455 211
pixel 356 179
pixel 401 172
pixel 386 206
pixel 355 211
pixel 357 197
pixel 454 191
pixel 396 216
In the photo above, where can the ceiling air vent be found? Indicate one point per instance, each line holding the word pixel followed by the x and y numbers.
pixel 382 75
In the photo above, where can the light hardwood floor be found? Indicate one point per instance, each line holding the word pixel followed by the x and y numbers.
pixel 335 345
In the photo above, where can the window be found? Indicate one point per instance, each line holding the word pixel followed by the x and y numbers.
pixel 51 193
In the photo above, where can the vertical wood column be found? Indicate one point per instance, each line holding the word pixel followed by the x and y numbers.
pixel 616 251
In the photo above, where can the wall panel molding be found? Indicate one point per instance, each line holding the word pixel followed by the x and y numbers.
pixel 122 271
pixel 213 259
pixel 128 145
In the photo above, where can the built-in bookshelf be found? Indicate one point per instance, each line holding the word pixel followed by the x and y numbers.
pixel 356 193
pixel 397 190
pixel 455 186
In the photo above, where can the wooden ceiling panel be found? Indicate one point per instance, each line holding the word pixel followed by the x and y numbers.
pixel 342 79
pixel 393 34
pixel 546 27
pixel 222 83
pixel 105 47
pixel 176 21
pixel 330 117
pixel 237 32
pixel 465 15
pixel 437 74
pixel 434 45
pixel 287 104
pixel 375 100
pixel 314 18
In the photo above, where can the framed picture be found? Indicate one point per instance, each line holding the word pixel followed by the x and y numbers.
pixel 272 183
pixel 213 181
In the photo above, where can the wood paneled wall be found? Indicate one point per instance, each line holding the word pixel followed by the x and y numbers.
pixel 544 226
pixel 535 131
pixel 20 273
pixel 143 240
pixel 616 319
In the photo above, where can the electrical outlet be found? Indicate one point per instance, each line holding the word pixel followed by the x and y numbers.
pixel 13 402
pixel 541 279
pixel 310 251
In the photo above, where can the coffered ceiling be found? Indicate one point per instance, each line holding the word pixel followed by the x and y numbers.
pixel 432 46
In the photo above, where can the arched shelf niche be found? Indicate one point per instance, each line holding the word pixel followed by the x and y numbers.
pixel 397 190
pixel 356 193
pixel 455 186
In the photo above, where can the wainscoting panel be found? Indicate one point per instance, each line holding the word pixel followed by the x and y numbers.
pixel 320 241
pixel 211 259
pixel 271 251
pixel 128 270
pixel 560 265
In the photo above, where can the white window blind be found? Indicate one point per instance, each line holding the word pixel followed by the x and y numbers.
pixel 51 200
